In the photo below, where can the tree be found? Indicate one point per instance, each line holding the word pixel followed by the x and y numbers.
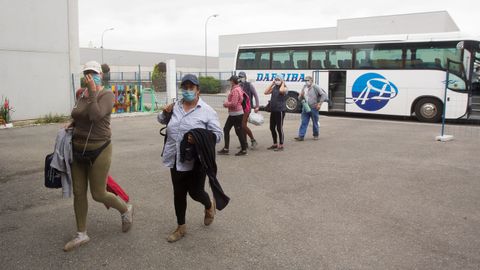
pixel 159 76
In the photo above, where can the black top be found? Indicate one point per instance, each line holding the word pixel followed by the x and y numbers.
pixel 277 100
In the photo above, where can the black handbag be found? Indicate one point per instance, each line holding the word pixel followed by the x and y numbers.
pixel 53 178
pixel 89 156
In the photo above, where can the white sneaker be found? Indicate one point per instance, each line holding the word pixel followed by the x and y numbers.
pixel 79 239
pixel 127 218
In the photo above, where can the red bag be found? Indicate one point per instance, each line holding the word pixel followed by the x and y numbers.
pixel 116 189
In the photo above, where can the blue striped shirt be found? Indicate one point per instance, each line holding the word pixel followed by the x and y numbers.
pixel 202 116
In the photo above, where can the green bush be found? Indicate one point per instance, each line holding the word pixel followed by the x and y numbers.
pixel 209 85
pixel 52 119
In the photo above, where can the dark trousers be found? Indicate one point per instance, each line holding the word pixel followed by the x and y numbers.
pixel 193 183
pixel 276 125
pixel 235 121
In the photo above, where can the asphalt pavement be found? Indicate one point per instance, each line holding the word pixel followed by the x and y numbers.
pixel 370 194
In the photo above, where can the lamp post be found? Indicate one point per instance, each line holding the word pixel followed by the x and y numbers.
pixel 102 39
pixel 206 21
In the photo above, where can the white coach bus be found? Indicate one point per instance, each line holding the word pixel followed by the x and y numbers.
pixel 390 75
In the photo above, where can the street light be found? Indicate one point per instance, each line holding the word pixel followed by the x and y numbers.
pixel 206 21
pixel 102 39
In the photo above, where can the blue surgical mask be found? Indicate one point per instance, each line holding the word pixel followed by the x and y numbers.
pixel 97 79
pixel 188 95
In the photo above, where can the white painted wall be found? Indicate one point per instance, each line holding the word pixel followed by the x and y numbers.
pixel 38 52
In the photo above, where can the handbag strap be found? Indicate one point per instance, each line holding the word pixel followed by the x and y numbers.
pixel 88 136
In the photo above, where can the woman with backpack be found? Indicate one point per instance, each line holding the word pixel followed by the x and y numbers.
pixel 92 153
pixel 235 116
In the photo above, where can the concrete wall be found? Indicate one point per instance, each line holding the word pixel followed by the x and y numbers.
pixel 429 22
pixel 38 55
pixel 128 61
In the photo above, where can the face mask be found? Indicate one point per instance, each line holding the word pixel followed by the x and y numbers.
pixel 97 79
pixel 188 95
pixel 241 80
pixel 278 82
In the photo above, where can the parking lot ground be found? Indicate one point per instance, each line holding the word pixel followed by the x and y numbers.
pixel 370 194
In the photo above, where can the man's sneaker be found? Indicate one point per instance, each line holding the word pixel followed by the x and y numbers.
pixel 177 234
pixel 315 138
pixel 209 214
pixel 254 144
pixel 242 153
pixel 299 139
pixel 273 147
pixel 79 239
pixel 127 218
pixel 223 152
pixel 278 149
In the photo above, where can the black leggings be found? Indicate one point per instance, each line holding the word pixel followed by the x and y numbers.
pixel 193 183
pixel 276 122
pixel 235 121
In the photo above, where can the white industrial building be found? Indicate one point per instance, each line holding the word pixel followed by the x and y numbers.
pixel 39 50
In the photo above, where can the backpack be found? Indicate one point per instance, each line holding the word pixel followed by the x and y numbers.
pixel 246 105
pixel 53 178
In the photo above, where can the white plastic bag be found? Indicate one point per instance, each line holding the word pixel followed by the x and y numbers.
pixel 256 118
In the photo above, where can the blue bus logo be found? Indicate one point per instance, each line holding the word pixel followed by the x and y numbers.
pixel 372 91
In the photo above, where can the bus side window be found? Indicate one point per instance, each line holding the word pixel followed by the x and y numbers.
pixel 316 64
pixel 276 64
pixel 288 64
pixel 302 64
pixel 347 63
pixel 328 64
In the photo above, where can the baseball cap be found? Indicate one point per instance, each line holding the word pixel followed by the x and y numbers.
pixel 190 78
pixel 93 66
pixel 242 74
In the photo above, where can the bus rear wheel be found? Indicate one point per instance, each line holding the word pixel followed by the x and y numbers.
pixel 429 110
pixel 292 103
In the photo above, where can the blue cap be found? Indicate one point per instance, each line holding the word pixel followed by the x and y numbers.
pixel 242 74
pixel 190 78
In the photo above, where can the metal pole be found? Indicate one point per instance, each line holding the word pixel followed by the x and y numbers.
pixel 103 33
pixel 206 21
pixel 445 98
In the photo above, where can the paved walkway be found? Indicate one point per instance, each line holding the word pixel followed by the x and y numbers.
pixel 370 194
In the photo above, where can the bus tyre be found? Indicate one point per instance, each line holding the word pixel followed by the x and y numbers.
pixel 292 103
pixel 429 110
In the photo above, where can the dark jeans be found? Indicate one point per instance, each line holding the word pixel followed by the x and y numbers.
pixel 235 121
pixel 276 125
pixel 193 183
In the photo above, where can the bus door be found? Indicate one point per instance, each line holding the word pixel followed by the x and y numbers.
pixel 320 78
pixel 337 85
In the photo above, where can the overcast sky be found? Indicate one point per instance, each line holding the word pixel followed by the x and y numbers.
pixel 179 26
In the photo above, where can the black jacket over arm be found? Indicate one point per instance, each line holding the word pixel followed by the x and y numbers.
pixel 204 150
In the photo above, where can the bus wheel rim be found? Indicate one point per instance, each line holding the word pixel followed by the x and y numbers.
pixel 429 110
pixel 291 103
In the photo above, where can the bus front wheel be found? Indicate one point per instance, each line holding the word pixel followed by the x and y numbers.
pixel 429 110
pixel 292 103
